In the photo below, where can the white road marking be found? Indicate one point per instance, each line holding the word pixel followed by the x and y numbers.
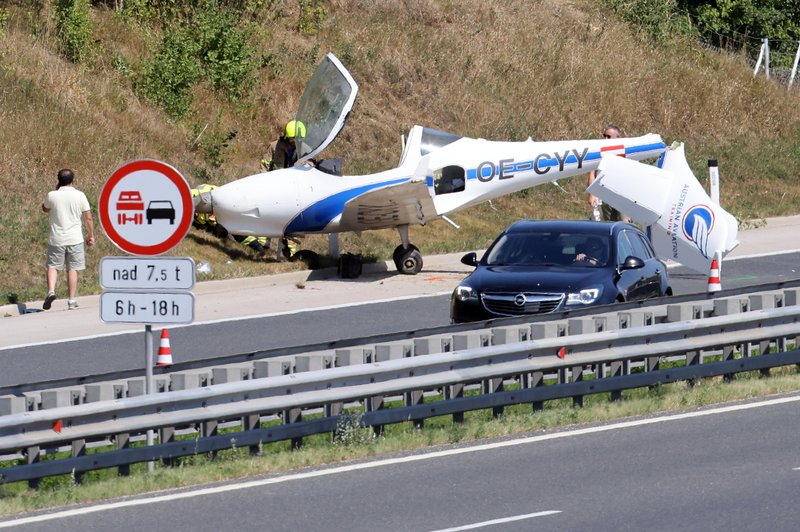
pixel 473 526
pixel 393 461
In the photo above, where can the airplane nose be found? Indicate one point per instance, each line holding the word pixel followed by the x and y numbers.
pixel 203 203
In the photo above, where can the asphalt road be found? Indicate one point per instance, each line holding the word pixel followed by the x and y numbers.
pixel 731 468
pixel 125 351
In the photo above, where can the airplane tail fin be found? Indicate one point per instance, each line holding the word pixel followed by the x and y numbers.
pixel 683 222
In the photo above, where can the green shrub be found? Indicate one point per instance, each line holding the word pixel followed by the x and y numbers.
pixel 3 21
pixel 657 19
pixel 168 77
pixel 313 15
pixel 212 142
pixel 224 52
pixel 74 29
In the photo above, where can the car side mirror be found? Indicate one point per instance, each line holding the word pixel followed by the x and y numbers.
pixel 470 259
pixel 632 263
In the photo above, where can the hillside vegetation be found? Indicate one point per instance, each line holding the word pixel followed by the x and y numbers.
pixel 506 70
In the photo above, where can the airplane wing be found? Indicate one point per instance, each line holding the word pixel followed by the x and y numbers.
pixel 684 223
pixel 408 202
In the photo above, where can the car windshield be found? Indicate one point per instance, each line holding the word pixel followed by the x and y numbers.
pixel 550 249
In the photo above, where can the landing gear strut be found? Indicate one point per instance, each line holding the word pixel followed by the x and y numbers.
pixel 406 256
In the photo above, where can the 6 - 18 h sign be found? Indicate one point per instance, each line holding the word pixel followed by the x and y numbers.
pixel 146 207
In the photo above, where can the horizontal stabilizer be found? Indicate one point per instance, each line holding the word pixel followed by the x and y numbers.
pixel 635 189
pixel 684 223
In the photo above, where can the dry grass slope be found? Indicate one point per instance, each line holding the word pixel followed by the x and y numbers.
pixel 545 68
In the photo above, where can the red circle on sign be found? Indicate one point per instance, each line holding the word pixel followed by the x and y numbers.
pixel 186 199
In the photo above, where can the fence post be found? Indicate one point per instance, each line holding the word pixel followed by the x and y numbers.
pixel 763 55
pixel 794 65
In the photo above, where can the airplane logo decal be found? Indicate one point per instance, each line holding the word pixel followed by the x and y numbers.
pixel 697 225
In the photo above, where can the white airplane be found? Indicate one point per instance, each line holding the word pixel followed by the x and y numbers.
pixel 439 173
pixel 683 222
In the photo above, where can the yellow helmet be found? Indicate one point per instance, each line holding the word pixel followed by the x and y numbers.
pixel 295 128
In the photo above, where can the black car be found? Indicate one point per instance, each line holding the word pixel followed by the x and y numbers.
pixel 535 267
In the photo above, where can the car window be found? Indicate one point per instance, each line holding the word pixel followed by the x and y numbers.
pixel 624 247
pixel 549 249
pixel 637 246
pixel 647 248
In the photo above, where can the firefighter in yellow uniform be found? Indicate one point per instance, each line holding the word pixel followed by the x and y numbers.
pixel 282 153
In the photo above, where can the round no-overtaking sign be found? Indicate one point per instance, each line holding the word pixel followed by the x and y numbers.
pixel 146 207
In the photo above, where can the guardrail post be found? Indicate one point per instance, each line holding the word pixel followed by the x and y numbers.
pixel 726 307
pixel 123 441
pixel 763 350
pixel 373 404
pixel 293 415
pixel 33 455
pixel 618 369
pixel 165 435
pixel 78 449
pixel 791 297
pixel 209 428
pixel 455 391
pixel 536 380
pixel 413 398
pixel 252 422
pixel 577 376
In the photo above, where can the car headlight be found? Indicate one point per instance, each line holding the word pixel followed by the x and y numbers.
pixel 587 296
pixel 463 293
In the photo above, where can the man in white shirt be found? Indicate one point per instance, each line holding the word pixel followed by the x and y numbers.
pixel 66 206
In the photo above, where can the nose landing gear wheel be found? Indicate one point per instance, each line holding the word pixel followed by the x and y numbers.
pixel 309 257
pixel 407 260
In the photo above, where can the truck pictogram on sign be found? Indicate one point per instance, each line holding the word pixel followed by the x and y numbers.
pixel 129 200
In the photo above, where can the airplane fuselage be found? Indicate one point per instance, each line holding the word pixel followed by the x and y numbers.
pixel 302 199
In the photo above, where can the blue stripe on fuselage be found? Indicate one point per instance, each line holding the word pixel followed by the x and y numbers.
pixel 315 217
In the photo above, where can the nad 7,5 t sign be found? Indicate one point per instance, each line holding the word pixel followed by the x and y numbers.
pixel 146 207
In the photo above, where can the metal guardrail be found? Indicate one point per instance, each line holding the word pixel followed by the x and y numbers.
pixel 651 305
pixel 739 341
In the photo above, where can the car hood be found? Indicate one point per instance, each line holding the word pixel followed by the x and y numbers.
pixel 534 279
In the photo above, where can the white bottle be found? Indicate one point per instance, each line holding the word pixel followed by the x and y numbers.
pixel 596 210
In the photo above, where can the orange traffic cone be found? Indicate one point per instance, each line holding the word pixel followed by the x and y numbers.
pixel 164 351
pixel 713 278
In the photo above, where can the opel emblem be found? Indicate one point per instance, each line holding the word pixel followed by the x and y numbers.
pixel 520 300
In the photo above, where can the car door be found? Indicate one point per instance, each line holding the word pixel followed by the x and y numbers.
pixel 633 282
pixel 651 284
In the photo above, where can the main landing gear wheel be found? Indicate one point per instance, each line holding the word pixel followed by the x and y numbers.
pixel 309 257
pixel 408 260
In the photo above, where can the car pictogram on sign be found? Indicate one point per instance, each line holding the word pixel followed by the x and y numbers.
pixel 160 209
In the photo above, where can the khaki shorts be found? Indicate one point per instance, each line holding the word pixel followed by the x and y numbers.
pixel 71 256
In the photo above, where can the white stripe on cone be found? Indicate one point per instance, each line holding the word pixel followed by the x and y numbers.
pixel 713 277
pixel 164 350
